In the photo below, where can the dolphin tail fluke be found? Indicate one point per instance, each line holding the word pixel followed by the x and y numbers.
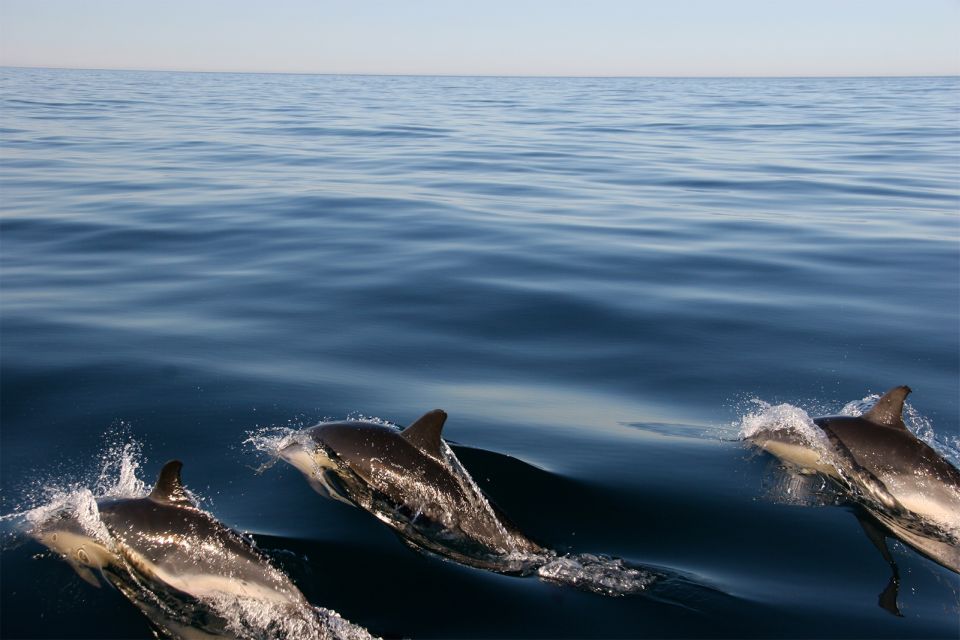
pixel 888 597
pixel 888 411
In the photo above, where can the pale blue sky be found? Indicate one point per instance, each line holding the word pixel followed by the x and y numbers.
pixel 490 37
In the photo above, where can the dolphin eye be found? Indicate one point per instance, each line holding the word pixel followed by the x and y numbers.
pixel 53 537
pixel 82 556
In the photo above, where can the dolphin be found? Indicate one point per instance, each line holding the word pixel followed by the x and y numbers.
pixel 413 482
pixel 176 562
pixel 900 480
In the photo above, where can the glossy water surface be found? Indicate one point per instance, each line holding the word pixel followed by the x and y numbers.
pixel 591 276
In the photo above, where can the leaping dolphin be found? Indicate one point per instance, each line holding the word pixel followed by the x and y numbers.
pixel 411 480
pixel 900 479
pixel 191 575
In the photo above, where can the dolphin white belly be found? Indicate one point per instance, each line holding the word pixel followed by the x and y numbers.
pixel 206 585
pixel 799 455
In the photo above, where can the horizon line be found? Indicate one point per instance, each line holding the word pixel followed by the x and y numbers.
pixel 482 75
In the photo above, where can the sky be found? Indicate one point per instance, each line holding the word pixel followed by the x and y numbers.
pixel 489 37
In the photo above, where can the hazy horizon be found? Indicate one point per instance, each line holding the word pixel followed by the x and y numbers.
pixel 525 38
pixel 484 75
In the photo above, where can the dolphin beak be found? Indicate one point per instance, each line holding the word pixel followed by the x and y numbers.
pixel 318 469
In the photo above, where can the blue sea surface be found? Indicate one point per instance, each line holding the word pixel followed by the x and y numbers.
pixel 593 277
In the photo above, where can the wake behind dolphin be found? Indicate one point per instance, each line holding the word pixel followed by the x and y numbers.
pixel 189 574
pixel 412 481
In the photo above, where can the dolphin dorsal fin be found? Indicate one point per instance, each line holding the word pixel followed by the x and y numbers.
pixel 169 487
pixel 424 434
pixel 889 408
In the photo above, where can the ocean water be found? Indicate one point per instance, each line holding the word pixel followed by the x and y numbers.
pixel 595 278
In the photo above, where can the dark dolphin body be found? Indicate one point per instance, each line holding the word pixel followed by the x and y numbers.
pixel 897 478
pixel 411 480
pixel 176 562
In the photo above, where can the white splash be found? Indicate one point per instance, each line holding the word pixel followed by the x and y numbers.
pixel 599 574
pixel 118 472
pixel 782 417
pixel 116 478
pixel 272 440
pixel 253 618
